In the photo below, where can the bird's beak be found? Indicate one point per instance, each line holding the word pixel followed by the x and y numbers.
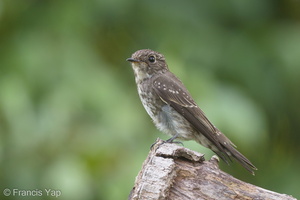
pixel 132 60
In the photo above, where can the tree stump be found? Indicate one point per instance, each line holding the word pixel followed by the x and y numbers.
pixel 174 172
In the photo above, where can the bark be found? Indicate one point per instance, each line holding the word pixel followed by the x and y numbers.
pixel 174 172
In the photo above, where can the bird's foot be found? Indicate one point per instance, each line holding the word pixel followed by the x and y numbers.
pixel 170 140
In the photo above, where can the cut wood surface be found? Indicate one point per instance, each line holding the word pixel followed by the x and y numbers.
pixel 174 172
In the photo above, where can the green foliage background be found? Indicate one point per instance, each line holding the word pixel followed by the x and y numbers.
pixel 70 116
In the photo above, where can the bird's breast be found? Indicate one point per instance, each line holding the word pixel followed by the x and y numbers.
pixel 148 98
pixel 165 118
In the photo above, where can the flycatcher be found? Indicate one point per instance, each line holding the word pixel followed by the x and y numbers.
pixel 173 109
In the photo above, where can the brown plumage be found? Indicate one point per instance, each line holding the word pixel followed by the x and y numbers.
pixel 173 109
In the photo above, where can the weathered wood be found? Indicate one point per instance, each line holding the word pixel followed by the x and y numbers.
pixel 174 172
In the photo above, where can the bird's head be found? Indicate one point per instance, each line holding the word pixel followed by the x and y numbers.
pixel 146 63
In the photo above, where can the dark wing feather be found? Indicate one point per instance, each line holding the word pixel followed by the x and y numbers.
pixel 171 90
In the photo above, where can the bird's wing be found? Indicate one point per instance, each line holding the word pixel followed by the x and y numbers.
pixel 171 91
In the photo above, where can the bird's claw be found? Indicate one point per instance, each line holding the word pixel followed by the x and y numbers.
pixel 171 140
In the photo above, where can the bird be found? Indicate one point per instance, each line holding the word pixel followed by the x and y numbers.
pixel 174 111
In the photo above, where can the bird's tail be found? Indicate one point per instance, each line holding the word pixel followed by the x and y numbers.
pixel 233 152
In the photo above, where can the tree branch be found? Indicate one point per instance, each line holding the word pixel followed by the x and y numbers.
pixel 174 172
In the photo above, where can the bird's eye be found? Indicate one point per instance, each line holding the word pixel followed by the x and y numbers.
pixel 151 59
